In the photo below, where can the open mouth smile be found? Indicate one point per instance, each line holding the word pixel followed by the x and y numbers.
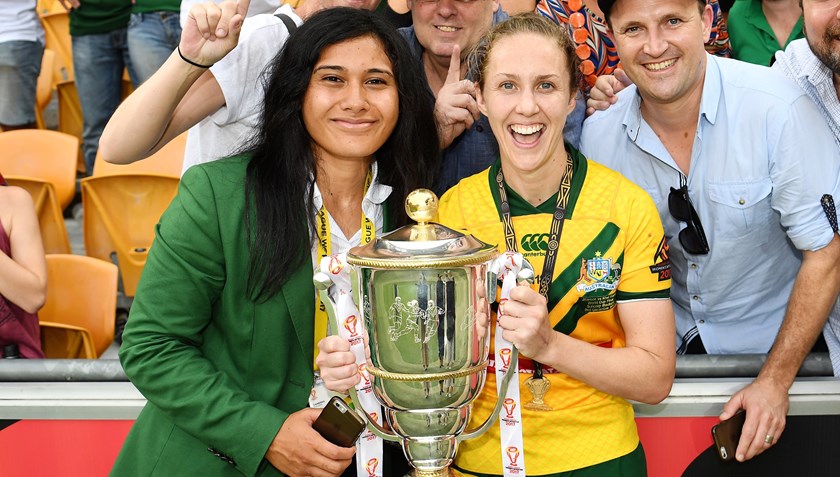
pixel 526 134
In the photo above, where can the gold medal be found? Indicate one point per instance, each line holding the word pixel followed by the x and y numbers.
pixel 538 388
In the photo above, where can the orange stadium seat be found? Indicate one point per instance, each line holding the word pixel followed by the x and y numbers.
pixel 77 319
pixel 53 229
pixel 120 213
pixel 57 29
pixel 44 89
pixel 41 154
pixel 166 162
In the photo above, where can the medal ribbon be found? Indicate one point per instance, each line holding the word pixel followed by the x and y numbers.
pixel 351 328
pixel 513 459
pixel 510 419
pixel 325 250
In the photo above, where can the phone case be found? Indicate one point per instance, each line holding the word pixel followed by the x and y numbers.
pixel 339 424
pixel 727 434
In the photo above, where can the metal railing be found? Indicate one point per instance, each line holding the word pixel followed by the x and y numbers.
pixel 109 370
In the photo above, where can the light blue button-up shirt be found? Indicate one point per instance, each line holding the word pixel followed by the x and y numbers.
pixel 762 158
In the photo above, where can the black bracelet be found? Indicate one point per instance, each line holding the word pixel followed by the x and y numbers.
pixel 190 62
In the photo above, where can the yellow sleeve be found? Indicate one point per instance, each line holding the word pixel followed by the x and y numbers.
pixel 646 272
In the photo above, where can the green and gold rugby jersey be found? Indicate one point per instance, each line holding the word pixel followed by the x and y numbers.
pixel 612 250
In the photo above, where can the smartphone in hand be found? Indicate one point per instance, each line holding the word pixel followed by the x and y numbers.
pixel 727 434
pixel 339 424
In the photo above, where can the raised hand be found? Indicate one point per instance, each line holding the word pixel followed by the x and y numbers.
pixel 212 30
pixel 298 450
pixel 603 93
pixel 455 108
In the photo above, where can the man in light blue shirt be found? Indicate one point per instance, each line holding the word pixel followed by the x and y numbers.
pixel 815 66
pixel 737 159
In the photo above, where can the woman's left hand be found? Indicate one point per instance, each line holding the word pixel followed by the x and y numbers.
pixel 524 321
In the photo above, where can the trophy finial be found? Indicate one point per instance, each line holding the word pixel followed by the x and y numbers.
pixel 421 205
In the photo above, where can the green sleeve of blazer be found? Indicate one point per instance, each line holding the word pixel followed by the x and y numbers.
pixel 219 370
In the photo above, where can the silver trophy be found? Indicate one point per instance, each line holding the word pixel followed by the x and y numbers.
pixel 420 290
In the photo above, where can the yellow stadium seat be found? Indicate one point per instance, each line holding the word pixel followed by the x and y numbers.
pixel 57 29
pixel 70 116
pixel 53 229
pixel 79 313
pixel 44 89
pixel 120 213
pixel 166 162
pixel 41 154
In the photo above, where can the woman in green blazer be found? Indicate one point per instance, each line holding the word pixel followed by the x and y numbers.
pixel 220 338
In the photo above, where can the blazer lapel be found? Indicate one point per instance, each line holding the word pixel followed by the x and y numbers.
pixel 299 293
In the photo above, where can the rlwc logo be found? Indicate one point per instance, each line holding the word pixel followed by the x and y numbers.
pixel 364 373
pixel 350 325
pixel 504 355
pixel 512 453
pixel 335 266
pixel 370 467
pixel 510 406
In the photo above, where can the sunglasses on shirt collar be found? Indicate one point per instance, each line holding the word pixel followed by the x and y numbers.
pixel 692 237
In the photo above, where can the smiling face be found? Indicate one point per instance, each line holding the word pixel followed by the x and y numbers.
pixel 440 24
pixel 660 43
pixel 527 95
pixel 351 105
pixel 822 29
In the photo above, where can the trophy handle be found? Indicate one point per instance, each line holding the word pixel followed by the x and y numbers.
pixel 322 283
pixel 526 274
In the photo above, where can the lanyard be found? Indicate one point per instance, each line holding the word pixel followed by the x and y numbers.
pixel 554 234
pixel 325 250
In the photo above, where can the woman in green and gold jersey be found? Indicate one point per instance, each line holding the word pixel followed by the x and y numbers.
pixel 601 329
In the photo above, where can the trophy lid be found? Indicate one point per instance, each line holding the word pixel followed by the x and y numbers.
pixel 423 245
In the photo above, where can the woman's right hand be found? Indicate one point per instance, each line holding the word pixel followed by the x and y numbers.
pixel 212 30
pixel 337 364
pixel 299 450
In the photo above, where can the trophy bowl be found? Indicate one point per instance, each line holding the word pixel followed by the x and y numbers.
pixel 424 294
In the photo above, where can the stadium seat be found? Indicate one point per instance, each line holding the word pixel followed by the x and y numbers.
pixel 120 213
pixel 44 89
pixel 53 229
pixel 57 29
pixel 166 162
pixel 41 154
pixel 77 319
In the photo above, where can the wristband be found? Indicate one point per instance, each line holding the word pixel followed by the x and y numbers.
pixel 191 62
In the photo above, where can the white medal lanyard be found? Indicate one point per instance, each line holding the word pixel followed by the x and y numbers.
pixel 510 422
pixel 351 328
pixel 510 419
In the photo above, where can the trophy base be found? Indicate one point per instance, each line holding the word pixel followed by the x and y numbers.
pixel 431 473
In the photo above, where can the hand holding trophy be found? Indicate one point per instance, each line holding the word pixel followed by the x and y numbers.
pixel 424 293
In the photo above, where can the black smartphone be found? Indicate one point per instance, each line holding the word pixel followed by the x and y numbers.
pixel 339 424
pixel 727 434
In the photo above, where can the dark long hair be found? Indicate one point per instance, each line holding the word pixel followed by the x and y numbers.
pixel 282 170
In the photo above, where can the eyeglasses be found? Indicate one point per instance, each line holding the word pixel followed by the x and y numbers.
pixel 692 237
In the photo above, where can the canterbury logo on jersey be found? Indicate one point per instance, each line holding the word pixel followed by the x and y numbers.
pixel 534 243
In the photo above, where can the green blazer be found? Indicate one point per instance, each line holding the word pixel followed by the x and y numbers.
pixel 221 373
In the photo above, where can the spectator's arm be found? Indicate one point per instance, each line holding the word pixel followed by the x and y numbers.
pixel 23 275
pixel 180 94
pixel 766 399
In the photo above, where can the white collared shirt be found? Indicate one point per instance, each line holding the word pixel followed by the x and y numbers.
pixel 372 207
